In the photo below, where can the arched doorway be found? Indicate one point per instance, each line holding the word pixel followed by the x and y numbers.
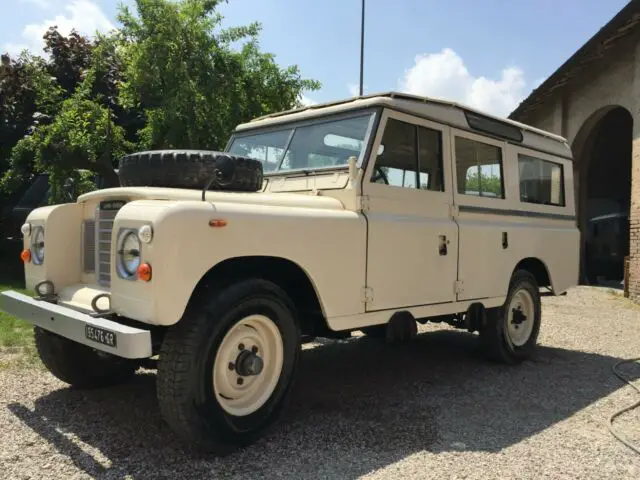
pixel 602 151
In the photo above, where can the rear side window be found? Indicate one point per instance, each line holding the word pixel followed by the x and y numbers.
pixel 479 168
pixel 541 181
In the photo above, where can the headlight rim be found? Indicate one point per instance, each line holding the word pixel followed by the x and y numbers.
pixel 37 253
pixel 123 271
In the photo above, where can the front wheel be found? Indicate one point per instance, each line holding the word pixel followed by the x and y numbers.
pixel 81 366
pixel 510 332
pixel 226 369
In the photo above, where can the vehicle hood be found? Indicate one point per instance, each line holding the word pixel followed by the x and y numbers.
pixel 302 199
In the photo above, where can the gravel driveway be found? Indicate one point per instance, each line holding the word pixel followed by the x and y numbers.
pixel 432 409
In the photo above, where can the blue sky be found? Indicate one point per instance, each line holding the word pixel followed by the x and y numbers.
pixel 486 53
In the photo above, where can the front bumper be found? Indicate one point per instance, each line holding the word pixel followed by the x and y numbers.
pixel 99 333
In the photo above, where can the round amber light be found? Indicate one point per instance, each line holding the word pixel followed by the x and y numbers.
pixel 144 272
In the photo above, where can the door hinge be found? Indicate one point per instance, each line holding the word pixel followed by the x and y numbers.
pixel 454 211
pixel 367 294
pixel 363 203
pixel 458 286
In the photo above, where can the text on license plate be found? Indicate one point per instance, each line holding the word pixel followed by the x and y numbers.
pixel 101 335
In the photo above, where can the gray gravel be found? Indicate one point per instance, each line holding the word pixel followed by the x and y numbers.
pixel 432 409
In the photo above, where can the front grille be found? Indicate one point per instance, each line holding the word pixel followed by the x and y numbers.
pixel 89 246
pixel 105 217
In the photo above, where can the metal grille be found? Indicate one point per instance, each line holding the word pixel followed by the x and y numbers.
pixel 89 246
pixel 104 230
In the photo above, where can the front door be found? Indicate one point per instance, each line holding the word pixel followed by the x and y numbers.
pixel 412 248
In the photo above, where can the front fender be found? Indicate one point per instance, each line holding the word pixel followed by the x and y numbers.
pixel 328 244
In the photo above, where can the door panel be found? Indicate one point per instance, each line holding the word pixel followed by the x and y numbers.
pixel 412 250
pixel 486 235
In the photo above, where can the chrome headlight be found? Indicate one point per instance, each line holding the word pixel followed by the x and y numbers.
pixel 128 254
pixel 37 245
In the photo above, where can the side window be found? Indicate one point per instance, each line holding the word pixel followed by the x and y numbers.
pixel 398 163
pixel 479 168
pixel 541 181
pixel 430 159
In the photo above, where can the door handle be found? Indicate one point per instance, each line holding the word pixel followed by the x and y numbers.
pixel 443 245
pixel 505 240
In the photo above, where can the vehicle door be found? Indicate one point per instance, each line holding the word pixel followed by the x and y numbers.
pixel 412 239
pixel 486 228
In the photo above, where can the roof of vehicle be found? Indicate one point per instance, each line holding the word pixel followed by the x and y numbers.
pixel 442 111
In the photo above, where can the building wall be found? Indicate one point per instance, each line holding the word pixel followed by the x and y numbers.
pixel 574 111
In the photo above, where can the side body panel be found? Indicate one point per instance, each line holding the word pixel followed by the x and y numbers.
pixel 497 233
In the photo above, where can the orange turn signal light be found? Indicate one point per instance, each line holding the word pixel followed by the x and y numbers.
pixel 25 255
pixel 144 272
pixel 217 222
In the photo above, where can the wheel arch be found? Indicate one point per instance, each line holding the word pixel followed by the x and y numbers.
pixel 537 268
pixel 285 273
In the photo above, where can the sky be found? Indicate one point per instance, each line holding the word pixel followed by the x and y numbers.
pixel 488 54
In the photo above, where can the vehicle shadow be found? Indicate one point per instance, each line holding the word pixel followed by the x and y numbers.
pixel 357 406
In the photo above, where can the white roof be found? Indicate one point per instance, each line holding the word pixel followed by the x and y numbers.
pixel 441 111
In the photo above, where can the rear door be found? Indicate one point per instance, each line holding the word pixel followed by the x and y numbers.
pixel 486 253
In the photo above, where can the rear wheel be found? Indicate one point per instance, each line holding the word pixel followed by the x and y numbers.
pixel 81 366
pixel 510 332
pixel 226 369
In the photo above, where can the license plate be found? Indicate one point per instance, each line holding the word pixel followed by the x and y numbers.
pixel 100 335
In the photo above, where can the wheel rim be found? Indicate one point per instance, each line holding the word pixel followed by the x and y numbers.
pixel 248 364
pixel 521 317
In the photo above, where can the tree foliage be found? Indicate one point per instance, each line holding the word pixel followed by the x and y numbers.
pixel 170 77
pixel 193 86
pixel 484 182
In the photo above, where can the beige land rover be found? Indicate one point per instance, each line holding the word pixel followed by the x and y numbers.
pixel 369 214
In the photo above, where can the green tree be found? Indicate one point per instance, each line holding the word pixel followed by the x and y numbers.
pixel 74 121
pixel 170 78
pixel 193 86
pixel 478 181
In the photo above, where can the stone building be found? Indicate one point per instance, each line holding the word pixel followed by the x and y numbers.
pixel 593 100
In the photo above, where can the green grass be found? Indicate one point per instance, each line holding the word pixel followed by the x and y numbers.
pixel 16 337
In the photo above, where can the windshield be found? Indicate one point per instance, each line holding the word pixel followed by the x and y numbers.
pixel 319 144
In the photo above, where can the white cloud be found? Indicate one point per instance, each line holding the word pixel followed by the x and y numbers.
pixel 82 15
pixel 13 49
pixel 444 75
pixel 306 101
pixel 44 4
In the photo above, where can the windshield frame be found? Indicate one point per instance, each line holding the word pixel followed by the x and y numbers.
pixel 368 139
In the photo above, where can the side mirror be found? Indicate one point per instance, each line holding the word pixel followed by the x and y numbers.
pixel 69 189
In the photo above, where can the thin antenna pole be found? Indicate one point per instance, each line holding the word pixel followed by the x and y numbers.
pixel 362 50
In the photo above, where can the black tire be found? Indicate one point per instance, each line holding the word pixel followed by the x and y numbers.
pixel 186 393
pixel 190 169
pixel 378 332
pixel 81 366
pixel 494 337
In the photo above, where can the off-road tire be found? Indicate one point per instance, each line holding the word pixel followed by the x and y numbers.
pixel 379 332
pixel 185 368
pixel 81 366
pixel 191 169
pixel 494 339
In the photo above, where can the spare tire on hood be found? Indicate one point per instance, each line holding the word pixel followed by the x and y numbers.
pixel 190 169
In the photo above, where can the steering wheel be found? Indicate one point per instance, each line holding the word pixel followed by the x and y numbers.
pixel 380 175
